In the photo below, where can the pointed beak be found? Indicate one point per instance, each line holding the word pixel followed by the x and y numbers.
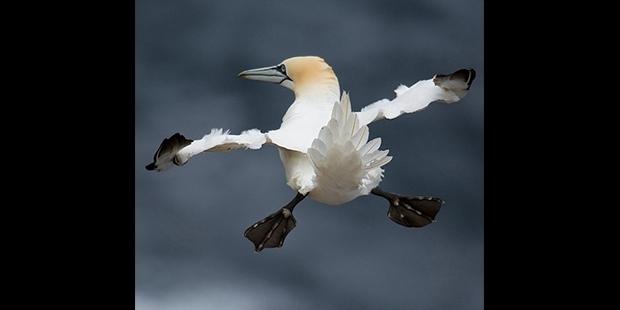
pixel 266 74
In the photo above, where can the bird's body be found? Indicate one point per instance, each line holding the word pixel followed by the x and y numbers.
pixel 313 108
pixel 332 168
pixel 322 143
pixel 301 124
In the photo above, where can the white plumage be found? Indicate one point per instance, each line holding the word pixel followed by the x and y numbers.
pixel 345 164
pixel 408 100
pixel 323 145
pixel 219 140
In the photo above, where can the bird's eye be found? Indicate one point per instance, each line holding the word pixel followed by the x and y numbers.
pixel 282 68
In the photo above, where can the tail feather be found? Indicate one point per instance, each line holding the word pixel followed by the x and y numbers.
pixel 342 155
pixel 371 146
pixel 360 137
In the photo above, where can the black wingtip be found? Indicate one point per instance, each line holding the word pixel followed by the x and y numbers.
pixel 466 76
pixel 168 149
pixel 472 76
pixel 180 139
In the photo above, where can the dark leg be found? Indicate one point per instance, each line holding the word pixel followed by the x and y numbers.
pixel 410 211
pixel 271 231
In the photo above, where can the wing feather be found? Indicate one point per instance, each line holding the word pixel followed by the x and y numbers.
pixel 448 88
pixel 178 150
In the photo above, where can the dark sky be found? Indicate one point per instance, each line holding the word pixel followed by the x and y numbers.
pixel 190 249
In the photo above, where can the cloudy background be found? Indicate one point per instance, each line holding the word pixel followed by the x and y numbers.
pixel 190 251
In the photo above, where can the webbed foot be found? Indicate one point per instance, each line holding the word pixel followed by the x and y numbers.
pixel 271 231
pixel 416 211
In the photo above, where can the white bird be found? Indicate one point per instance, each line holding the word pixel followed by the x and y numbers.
pixel 323 145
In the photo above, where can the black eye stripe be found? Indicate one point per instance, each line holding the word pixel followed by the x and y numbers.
pixel 282 69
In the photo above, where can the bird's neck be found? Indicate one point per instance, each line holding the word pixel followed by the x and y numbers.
pixel 326 92
pixel 313 104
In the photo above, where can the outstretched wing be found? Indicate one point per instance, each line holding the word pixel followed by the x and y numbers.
pixel 178 150
pixel 449 88
pixel 343 158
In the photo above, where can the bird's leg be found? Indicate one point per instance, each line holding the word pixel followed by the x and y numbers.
pixel 271 231
pixel 415 211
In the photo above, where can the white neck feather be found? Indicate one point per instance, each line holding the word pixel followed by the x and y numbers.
pixel 320 93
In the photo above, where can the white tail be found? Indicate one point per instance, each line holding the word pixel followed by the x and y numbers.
pixel 342 155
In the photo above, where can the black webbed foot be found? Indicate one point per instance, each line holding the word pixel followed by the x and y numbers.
pixel 411 211
pixel 271 231
pixel 414 211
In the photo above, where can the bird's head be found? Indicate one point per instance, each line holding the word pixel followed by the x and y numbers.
pixel 303 75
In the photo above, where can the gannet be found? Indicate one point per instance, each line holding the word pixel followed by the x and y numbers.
pixel 323 144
